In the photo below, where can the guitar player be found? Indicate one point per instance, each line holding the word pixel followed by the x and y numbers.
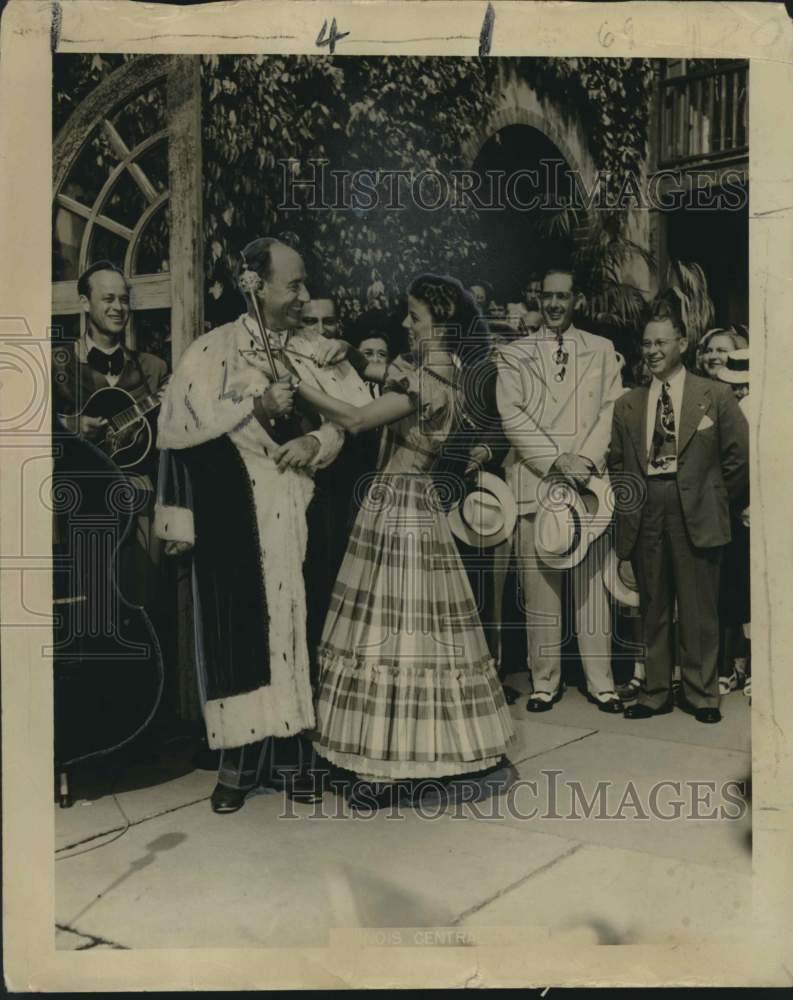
pixel 98 359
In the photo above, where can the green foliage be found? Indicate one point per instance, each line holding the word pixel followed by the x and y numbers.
pixel 406 114
pixel 74 76
pixel 398 113
pixel 610 99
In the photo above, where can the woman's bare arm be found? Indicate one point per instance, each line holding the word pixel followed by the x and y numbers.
pixel 389 407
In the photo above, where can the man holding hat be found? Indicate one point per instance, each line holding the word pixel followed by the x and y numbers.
pixel 680 449
pixel 556 394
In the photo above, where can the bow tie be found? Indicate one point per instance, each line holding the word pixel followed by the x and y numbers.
pixel 106 364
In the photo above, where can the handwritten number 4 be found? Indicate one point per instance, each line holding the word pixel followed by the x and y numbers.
pixel 332 38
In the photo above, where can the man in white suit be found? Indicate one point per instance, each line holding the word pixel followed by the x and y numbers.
pixel 556 394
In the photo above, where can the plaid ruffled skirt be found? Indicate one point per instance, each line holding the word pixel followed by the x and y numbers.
pixel 407 686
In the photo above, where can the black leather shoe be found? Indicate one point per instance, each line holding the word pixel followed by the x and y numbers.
pixel 300 787
pixel 629 691
pixel 510 694
pixel 227 800
pixel 304 788
pixel 535 704
pixel 708 715
pixel 639 711
pixel 611 705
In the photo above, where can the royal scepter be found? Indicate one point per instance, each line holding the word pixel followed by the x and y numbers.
pixel 283 428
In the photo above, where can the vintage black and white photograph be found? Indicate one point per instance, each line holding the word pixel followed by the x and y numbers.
pixel 401 519
pixel 380 392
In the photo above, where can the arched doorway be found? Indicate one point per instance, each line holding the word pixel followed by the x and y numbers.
pixel 127 188
pixel 521 239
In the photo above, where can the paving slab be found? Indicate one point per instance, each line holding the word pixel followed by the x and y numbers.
pixel 169 787
pixel 194 879
pixel 534 740
pixel 258 879
pixel 707 825
pixel 612 896
pixel 90 816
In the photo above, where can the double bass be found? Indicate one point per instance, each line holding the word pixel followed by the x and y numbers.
pixel 108 666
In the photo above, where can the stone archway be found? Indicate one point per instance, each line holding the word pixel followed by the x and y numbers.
pixel 518 106
pixel 527 176
pixel 514 114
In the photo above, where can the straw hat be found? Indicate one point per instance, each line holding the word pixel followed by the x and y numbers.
pixel 486 515
pixel 736 370
pixel 620 580
pixel 568 521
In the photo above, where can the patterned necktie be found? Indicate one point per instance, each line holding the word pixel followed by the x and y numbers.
pixel 106 364
pixel 664 445
pixel 561 358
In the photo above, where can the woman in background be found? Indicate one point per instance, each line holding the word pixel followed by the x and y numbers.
pixel 735 606
pixel 714 348
pixel 714 351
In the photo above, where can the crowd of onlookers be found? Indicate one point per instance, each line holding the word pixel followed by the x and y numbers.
pixel 721 353
pixel 608 486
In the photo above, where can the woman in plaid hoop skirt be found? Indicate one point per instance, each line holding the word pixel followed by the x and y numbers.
pixel 407 687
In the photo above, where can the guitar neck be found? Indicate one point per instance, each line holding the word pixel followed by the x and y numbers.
pixel 139 409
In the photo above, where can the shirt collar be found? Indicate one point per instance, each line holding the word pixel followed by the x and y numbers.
pixel 674 381
pixel 85 343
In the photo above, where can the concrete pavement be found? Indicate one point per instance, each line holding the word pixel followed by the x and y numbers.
pixel 153 867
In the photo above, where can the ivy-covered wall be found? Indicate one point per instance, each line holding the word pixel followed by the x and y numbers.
pixel 399 114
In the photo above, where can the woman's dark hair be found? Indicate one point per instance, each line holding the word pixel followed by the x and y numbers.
pixel 486 287
pixel 370 324
pixel 453 309
pixel 466 334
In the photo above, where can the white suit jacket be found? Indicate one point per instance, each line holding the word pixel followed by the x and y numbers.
pixel 544 418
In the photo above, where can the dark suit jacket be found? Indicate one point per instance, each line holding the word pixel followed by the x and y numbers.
pixel 74 380
pixel 712 462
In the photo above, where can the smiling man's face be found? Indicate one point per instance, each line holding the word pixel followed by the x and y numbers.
pixel 107 304
pixel 662 348
pixel 558 301
pixel 283 293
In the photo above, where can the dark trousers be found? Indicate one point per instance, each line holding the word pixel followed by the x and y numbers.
pixel 668 565
pixel 257 763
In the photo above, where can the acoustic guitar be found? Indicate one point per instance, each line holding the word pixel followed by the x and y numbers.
pixel 130 433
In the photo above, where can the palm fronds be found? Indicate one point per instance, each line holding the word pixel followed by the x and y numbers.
pixel 700 313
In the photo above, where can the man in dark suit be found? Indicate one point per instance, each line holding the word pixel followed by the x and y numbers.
pixel 679 459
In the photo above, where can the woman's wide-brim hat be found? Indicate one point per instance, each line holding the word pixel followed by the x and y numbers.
pixel 568 521
pixel 487 513
pixel 736 368
pixel 620 580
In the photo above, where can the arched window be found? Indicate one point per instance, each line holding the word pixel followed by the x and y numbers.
pixel 127 188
